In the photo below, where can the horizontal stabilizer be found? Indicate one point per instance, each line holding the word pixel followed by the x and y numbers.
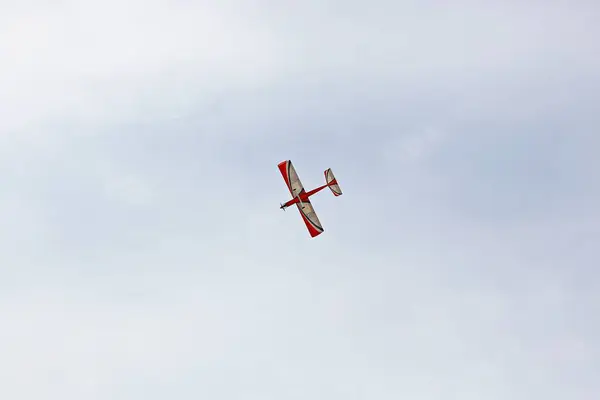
pixel 332 183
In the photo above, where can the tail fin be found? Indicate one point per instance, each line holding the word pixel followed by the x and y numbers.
pixel 332 183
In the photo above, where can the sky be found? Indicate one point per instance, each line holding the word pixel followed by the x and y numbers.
pixel 144 255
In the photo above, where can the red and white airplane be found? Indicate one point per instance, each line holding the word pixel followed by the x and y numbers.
pixel 300 196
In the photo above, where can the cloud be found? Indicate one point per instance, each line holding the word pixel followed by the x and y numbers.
pixel 144 254
pixel 413 147
pixel 102 61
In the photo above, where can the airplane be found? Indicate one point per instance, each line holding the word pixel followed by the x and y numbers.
pixel 300 197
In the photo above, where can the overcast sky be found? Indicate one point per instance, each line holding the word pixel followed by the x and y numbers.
pixel 144 255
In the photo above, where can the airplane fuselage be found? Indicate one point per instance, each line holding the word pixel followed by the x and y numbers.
pixel 302 197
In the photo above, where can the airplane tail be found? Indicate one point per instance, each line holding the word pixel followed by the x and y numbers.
pixel 332 183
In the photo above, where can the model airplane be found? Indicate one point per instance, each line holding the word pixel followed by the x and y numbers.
pixel 300 197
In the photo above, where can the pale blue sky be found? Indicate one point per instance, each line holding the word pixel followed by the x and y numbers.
pixel 144 254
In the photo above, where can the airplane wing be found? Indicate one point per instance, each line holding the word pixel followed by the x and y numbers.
pixel 310 218
pixel 306 209
pixel 291 178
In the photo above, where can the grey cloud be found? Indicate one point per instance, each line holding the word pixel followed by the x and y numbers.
pixel 145 255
